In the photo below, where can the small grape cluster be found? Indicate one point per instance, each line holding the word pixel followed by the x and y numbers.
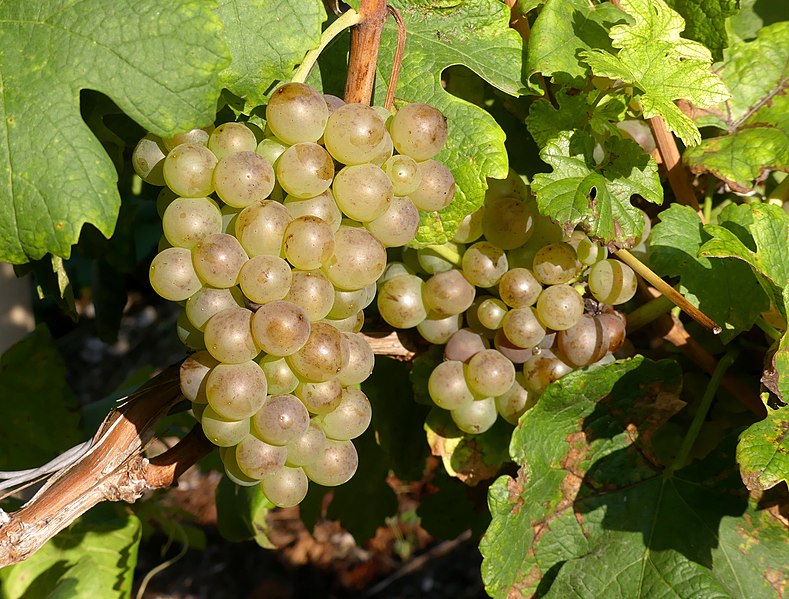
pixel 518 284
pixel 275 256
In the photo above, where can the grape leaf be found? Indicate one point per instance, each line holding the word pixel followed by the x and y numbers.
pixel 241 513
pixel 593 513
pixel 705 21
pixel 475 34
pixel 763 451
pixel 267 39
pixel 664 66
pixel 674 249
pixel 56 176
pixel 94 557
pixel 565 194
pixel 756 116
pixel 755 14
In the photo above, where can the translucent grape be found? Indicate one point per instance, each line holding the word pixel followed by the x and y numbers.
pixel 172 275
pixel 404 173
pixel 360 360
pixel 258 459
pixel 323 206
pixel 348 303
pixel 555 263
pixel 439 330
pixel 286 487
pixel 559 307
pixel 518 288
pixel 193 373
pixel 491 312
pixel 353 133
pixel 193 136
pixel 383 151
pixel 522 327
pixel 280 420
pixel 335 466
pixel 271 149
pixel 313 292
pixel 400 301
pixel 464 344
pixel 323 356
pixel 587 251
pixel 228 336
pixel 612 282
pixel 394 269
pixel 280 378
pixel 484 264
pixel 514 353
pixel 489 373
pixel 436 186
pixel 583 343
pixel 243 178
pixel 352 324
pixel 297 113
pixel 230 138
pixel 447 385
pixel 148 159
pixel 208 301
pixel 434 259
pixel 320 398
pixel 508 222
pixel 470 228
pixel 261 228
pixel 188 220
pixel 512 404
pixel 419 131
pixel 221 431
pixel 541 370
pixel 236 391
pixel 265 279
pixel 472 321
pixel 358 260
pixel 166 197
pixel 189 170
pixel 232 471
pixel 307 447
pixel 398 225
pixel 188 334
pixel 476 417
pixel 308 242
pixel 333 102
pixel 305 170
pixel 614 325
pixel 280 328
pixel 218 259
pixel 350 418
pixel 229 217
pixel 363 191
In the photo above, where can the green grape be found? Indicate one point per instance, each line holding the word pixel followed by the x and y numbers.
pixel 583 343
pixel 512 404
pixel 350 418
pixel 323 206
pixel 228 336
pixel 447 385
pixel 612 282
pixel 383 151
pixel 308 242
pixel 236 391
pixel 232 470
pixel 352 324
pixel 188 220
pixel 439 330
pixel 243 178
pixel 307 447
pixel 271 149
pixel 281 419
pixel 321 397
pixel 166 197
pixel 484 264
pixel 489 373
pixel 286 487
pixel 265 279
pixel 403 172
pixel 464 344
pixel 223 432
pixel 188 334
pixel 305 170
pixel 193 373
pixel 447 293
pixel 218 259
pixel 280 378
pixel 555 263
pixel 258 459
pixel 400 301
pixel 514 353
pixel 541 370
pixel 297 113
pixel 360 360
pixel 432 261
pixel 193 136
pixel 348 303
pixel 475 417
pixel 398 225
pixel 313 292
pixel 394 269
pixel 189 170
pixel 518 288
pixel 419 131
pixel 470 228
pixel 363 191
pixel 172 275
pixel 473 321
pixel 545 232
pixel 323 356
pixel 436 187
pixel 508 222
pixel 353 133
pixel 230 138
pixel 614 325
pixel 208 301
pixel 148 159
pixel 491 312
pixel 587 251
pixel 280 328
pixel 358 260
pixel 559 307
pixel 335 466
pixel 522 327
pixel 261 228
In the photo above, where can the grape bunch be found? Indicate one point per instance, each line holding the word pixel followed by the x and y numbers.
pixel 509 298
pixel 273 242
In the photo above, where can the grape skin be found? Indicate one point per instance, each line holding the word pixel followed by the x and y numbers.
pixel 335 466
pixel 419 131
pixel 172 275
pixel 297 113
pixel 236 391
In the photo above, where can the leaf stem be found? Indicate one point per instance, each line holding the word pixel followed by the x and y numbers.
pixel 348 19
pixel 768 330
pixel 707 214
pixel 781 191
pixel 667 290
pixel 648 312
pixel 701 414
pixel 447 254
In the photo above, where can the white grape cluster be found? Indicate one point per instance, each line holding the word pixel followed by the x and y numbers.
pixel 507 291
pixel 275 256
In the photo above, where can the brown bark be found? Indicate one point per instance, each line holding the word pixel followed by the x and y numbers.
pixel 365 39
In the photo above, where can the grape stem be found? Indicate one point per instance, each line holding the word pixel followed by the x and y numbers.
pixel 667 290
pixel 446 253
pixel 781 191
pixel 363 56
pixel 349 18
pixel 677 174
pixel 648 312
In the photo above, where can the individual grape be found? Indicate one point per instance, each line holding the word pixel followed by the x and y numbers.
pixel 218 259
pixel 230 138
pixel 439 330
pixel 436 187
pixel 489 373
pixel 352 324
pixel 307 447
pixel 583 343
pixel 148 159
pixel 229 217
pixel 322 397
pixel 545 232
pixel 484 264
pixel 188 334
pixel 228 336
pixel 475 417
pixel 286 487
pixel 193 136
pixel 383 151
pixel 614 325
pixel 491 312
pixel 464 344
pixel 166 197
pixel 308 242
pixel 470 228
pixel 188 220
pixel 518 288
pixel 348 303
pixel 508 222
pixel 323 206
pixel 189 169
pixel 513 403
pixel 280 420
pixel 335 466
pixel 280 328
pixel 350 418
pixel 323 356
pixel 541 370
pixel 265 279
pixel 555 263
pixel 280 378
pixel 472 321
pixel 447 293
pixel 587 251
pixel 394 269
pixel 258 459
pixel 363 191
pixel 514 353
pixel 232 471
pixel 242 178
pixel 522 327
pixel 559 307
pixel 612 282
pixel 193 373
pixel 208 301
pixel 353 133
pixel 333 102
pixel 271 149
pixel 172 275
pixel 400 301
pixel 398 225
pixel 360 360
pixel 434 259
pixel 297 113
pixel 447 385
pixel 261 228
pixel 305 170
pixel 313 292
pixel 403 172
pixel 236 391
pixel 223 432
pixel 358 260
pixel 419 131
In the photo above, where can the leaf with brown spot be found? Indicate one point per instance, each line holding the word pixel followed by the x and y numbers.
pixel 763 451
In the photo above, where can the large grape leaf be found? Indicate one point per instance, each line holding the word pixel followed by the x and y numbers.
pixel 160 62
pixel 94 557
pixel 756 117
pixel 566 196
pixel 593 513
pixel 705 21
pixel 664 66
pixel 763 451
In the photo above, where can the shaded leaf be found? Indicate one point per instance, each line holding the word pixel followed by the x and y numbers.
pixel 705 21
pixel 452 508
pixel 763 451
pixel 755 14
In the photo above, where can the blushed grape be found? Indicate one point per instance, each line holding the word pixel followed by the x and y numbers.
pixel 172 275
pixel 583 343
pixel 448 293
pixel 447 385
pixel 208 301
pixel 464 344
pixel 363 191
pixel 305 170
pixel 514 353
pixel 522 327
pixel 489 373
pixel 218 259
pixel 280 420
pixel 297 113
pixel 508 222
pixel 350 418
pixel 436 186
pixel 258 459
pixel 261 228
pixel 193 373
pixel 358 260
pixel 236 391
pixel 400 301
pixel 419 131
pixel 313 292
pixel 308 242
pixel 475 417
pixel 614 325
pixel 559 307
pixel 222 431
pixel 555 263
pixel 280 328
pixel 323 356
pixel 353 133
pixel 484 264
pixel 148 159
pixel 188 220
pixel 335 466
pixel 243 178
pixel 518 288
pixel 612 282
pixel 279 377
pixel 285 487
pixel 229 138
pixel 541 370
pixel 265 279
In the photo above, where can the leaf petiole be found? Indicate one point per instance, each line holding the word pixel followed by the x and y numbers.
pixel 348 19
pixel 446 253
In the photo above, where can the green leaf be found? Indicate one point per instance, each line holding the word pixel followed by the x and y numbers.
pixel 475 34
pixel 267 39
pixel 756 116
pixel 39 415
pixel 452 508
pixel 664 66
pixel 94 557
pixel 56 175
pixel 674 251
pixel 565 194
pixel 241 513
pixel 763 451
pixel 705 21
pixel 755 14
pixel 593 513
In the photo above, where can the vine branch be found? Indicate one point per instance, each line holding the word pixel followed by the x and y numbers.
pixel 365 40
